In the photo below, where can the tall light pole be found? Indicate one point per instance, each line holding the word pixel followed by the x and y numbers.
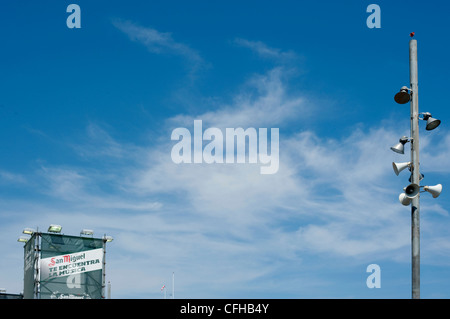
pixel 412 191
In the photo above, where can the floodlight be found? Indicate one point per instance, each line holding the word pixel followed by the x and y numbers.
pixel 22 239
pixel 403 96
pixel 434 190
pixel 400 146
pixel 108 239
pixel 398 167
pixel 29 231
pixel 432 123
pixel 87 232
pixel 54 228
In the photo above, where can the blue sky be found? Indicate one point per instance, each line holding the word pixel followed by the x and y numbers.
pixel 86 117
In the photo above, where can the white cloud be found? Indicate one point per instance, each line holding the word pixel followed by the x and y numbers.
pixel 265 51
pixel 158 42
pixel 11 178
pixel 435 151
pixel 100 143
pixel 265 102
pixel 223 225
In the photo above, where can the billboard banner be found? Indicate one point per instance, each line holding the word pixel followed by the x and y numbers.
pixel 71 267
pixel 65 265
pixel 29 268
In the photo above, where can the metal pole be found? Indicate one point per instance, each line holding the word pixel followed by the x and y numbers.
pixel 173 285
pixel 103 267
pixel 415 203
pixel 37 265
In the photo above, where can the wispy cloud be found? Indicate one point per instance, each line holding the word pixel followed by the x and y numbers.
pixel 158 42
pixel 222 225
pixel 11 178
pixel 264 51
pixel 98 143
pixel 263 102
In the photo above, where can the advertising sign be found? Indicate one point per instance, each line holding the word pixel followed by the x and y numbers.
pixel 71 267
pixel 71 264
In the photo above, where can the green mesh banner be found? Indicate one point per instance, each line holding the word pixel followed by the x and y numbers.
pixel 71 267
pixel 28 267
